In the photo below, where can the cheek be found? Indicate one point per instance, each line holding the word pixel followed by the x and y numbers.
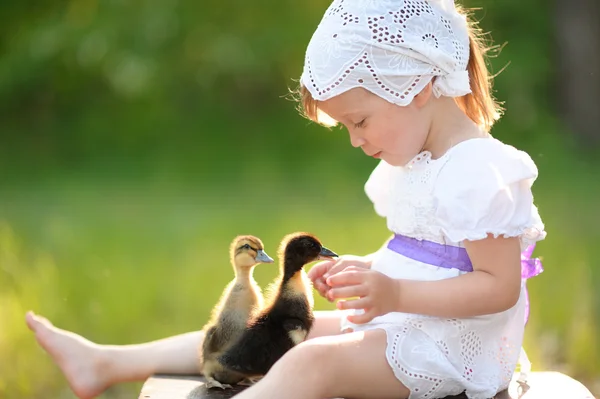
pixel 402 140
pixel 407 127
pixel 385 134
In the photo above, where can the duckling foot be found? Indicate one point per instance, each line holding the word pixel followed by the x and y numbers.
pixel 212 383
pixel 249 381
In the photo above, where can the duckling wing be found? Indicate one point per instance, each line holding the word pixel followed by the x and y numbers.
pixel 220 336
pixel 211 340
pixel 259 347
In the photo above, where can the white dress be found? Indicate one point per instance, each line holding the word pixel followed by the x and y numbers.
pixel 477 187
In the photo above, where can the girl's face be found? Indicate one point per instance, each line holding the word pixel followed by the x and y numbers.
pixel 381 129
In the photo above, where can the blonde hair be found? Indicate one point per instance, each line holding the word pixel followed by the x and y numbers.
pixel 479 105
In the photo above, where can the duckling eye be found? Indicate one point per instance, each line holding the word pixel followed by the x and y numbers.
pixel 246 246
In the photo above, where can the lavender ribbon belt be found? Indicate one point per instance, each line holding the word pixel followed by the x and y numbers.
pixel 452 257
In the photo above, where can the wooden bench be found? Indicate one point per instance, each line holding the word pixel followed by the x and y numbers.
pixel 541 385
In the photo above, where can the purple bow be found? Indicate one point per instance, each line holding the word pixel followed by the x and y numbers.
pixel 530 267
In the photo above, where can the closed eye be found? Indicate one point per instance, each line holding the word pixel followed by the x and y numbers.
pixel 360 124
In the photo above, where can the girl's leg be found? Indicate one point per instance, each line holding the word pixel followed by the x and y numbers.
pixel 91 368
pixel 350 365
pixel 327 322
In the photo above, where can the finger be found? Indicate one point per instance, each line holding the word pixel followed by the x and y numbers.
pixel 319 281
pixel 347 292
pixel 351 277
pixel 340 266
pixel 353 268
pixel 362 318
pixel 319 269
pixel 321 287
pixel 362 303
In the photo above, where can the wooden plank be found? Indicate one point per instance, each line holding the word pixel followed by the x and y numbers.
pixel 542 385
pixel 183 387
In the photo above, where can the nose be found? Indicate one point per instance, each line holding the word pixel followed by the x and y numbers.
pixel 356 141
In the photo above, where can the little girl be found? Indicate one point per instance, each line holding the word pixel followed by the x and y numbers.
pixel 440 308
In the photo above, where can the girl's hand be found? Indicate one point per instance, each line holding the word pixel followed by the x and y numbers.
pixel 319 272
pixel 378 294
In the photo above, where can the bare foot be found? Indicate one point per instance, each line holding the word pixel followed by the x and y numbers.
pixel 80 360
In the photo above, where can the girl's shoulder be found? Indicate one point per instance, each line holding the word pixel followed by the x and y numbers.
pixel 482 161
pixel 488 152
pixel 484 186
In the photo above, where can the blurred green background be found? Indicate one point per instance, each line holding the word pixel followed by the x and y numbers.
pixel 137 138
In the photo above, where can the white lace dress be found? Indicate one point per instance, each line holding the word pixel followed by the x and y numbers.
pixel 479 186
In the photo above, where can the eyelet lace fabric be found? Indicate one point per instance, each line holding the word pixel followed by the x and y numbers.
pixel 435 357
pixel 392 48
pixel 480 186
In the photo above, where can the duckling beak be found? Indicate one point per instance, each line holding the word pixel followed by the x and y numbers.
pixel 261 256
pixel 327 254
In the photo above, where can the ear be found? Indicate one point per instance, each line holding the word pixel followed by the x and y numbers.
pixel 423 97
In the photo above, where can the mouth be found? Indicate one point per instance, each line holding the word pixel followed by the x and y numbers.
pixel 327 254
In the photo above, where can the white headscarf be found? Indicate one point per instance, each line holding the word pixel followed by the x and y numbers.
pixel 392 48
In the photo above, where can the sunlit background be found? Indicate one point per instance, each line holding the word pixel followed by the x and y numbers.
pixel 137 138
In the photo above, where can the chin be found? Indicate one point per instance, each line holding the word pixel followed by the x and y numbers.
pixel 394 161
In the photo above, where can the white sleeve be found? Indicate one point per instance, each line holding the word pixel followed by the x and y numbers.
pixel 377 187
pixel 488 192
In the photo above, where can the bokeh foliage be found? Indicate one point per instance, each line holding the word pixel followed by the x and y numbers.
pixel 139 137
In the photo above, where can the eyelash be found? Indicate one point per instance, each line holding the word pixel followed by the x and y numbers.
pixel 360 124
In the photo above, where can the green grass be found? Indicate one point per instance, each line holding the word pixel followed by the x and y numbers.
pixel 120 262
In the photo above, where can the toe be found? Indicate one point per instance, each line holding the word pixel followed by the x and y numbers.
pixel 35 322
pixel 212 383
pixel 30 320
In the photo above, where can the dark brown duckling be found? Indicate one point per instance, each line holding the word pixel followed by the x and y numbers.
pixel 239 300
pixel 288 318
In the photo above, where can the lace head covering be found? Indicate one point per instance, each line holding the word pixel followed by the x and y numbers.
pixel 392 48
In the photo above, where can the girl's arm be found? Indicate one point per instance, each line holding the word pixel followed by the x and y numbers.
pixel 492 287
